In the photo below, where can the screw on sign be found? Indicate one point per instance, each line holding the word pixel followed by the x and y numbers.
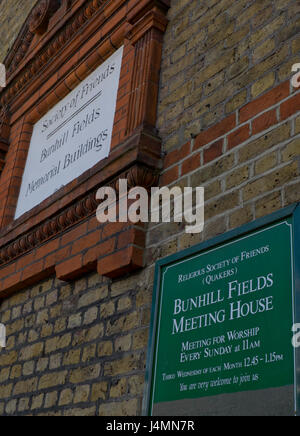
pixel 2 76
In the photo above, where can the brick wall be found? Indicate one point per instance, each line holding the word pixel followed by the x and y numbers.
pixel 38 244
pixel 220 55
pixel 228 116
pixel 230 121
pixel 75 349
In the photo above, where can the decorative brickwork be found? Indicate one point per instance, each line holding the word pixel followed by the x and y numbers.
pixel 41 15
pixel 135 148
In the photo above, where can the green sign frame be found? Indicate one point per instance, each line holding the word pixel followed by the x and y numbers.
pixel 171 333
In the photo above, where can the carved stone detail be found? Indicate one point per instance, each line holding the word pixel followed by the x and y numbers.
pixel 141 176
pixel 41 15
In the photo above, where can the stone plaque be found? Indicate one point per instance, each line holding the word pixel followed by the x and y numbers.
pixel 222 329
pixel 72 137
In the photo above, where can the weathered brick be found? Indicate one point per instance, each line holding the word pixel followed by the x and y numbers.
pixel 5 391
pixel 52 379
pixel 66 397
pixel 24 387
pixel 11 407
pixel 125 408
pixel 118 388
pixel 105 349
pixel 263 84
pixel 264 102
pixel 268 204
pixel 16 371
pixel 93 296
pixel 266 163
pixel 89 353
pixel 90 316
pixel 107 309
pixel 270 181
pixel 84 411
pixel 237 177
pixel 37 402
pixel 291 193
pixel 23 404
pixel 140 339
pixel 4 374
pixel 238 136
pixel 72 357
pixel 88 335
pixel 82 394
pixel 122 324
pixel 99 391
pixel 57 343
pixel 136 385
pixel 28 368
pixel 8 358
pixel 51 400
pixel 264 143
pixel 264 121
pixel 55 361
pixel 123 366
pixel 290 107
pixel 262 50
pixel 123 343
pixel 84 374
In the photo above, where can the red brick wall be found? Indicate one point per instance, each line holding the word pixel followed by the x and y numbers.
pixel 34 246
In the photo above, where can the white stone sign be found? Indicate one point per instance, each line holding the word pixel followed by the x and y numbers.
pixel 72 137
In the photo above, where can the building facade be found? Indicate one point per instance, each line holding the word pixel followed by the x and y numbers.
pixel 205 98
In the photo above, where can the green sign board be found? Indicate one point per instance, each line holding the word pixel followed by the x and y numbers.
pixel 222 325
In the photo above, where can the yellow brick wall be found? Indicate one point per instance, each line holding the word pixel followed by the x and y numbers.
pixel 13 13
pixel 76 349
pixel 219 55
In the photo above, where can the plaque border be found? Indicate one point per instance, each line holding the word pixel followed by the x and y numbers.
pixel 292 211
